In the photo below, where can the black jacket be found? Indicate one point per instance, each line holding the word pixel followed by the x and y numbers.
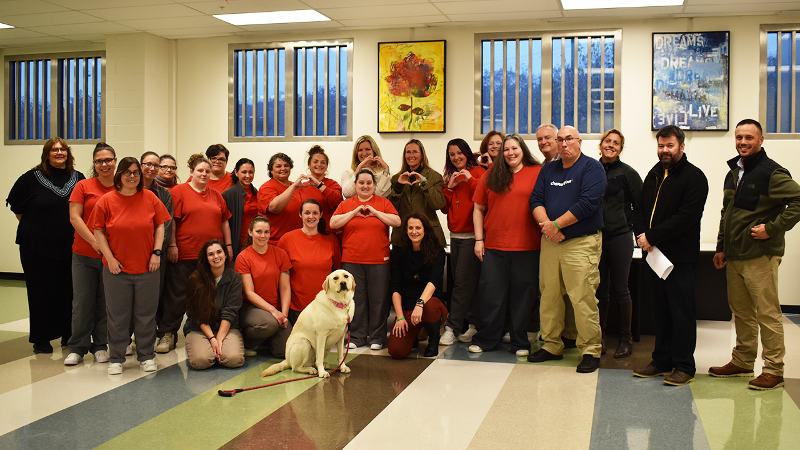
pixel 678 202
pixel 623 188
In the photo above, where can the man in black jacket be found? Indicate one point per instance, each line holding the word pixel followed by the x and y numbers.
pixel 667 216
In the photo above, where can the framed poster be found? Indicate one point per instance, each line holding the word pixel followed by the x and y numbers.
pixel 411 87
pixel 691 73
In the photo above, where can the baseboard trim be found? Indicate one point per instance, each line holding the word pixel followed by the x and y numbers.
pixel 12 276
pixel 791 309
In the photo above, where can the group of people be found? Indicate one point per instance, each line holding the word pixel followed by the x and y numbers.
pixel 534 246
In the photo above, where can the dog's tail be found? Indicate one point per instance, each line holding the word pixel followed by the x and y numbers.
pixel 275 368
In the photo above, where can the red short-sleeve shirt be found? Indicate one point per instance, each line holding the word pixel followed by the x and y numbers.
pixel 198 218
pixel 87 192
pixel 266 271
pixel 365 239
pixel 288 219
pixel 313 258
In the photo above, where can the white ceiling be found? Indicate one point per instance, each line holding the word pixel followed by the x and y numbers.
pixel 47 22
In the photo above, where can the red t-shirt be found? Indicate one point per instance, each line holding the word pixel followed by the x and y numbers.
pixel 289 218
pixel 250 211
pixel 329 199
pixel 87 192
pixel 130 222
pixel 365 239
pixel 508 223
pixel 220 185
pixel 459 204
pixel 313 258
pixel 266 271
pixel 198 219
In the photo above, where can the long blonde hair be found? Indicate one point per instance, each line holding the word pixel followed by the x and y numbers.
pixel 359 141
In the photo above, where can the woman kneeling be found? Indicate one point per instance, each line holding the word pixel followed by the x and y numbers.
pixel 214 296
pixel 417 269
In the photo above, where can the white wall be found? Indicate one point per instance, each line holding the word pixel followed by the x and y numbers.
pixel 188 111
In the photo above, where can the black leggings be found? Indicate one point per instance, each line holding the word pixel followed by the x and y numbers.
pixel 615 265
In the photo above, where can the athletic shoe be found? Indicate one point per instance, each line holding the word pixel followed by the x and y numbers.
pixel 475 349
pixel 250 352
pixel 115 369
pixel 523 352
pixel 448 337
pixel 375 346
pixel 101 356
pixel 165 343
pixel 352 346
pixel 148 366
pixel 72 359
pixel 467 335
pixel 507 338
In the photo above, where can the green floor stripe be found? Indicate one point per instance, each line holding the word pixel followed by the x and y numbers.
pixel 208 420
pixel 735 417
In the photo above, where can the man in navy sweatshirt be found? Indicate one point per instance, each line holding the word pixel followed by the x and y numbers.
pixel 567 203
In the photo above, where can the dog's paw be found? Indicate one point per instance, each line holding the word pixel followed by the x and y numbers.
pixel 324 374
pixel 344 368
pixel 312 371
pixel 266 373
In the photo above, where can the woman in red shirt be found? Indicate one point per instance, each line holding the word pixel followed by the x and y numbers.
pixel 507 241
pixel 461 175
pixel 324 190
pixel 265 281
pixel 200 215
pixel 242 202
pixel 128 225
pixel 314 253
pixel 366 219
pixel 217 155
pixel 279 198
pixel 88 298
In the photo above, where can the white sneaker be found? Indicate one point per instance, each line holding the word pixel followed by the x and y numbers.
pixel 507 338
pixel 375 347
pixel 165 344
pixel 249 352
pixel 148 366
pixel 475 349
pixel 467 335
pixel 352 346
pixel 101 356
pixel 72 359
pixel 448 337
pixel 128 350
pixel 523 352
pixel 115 369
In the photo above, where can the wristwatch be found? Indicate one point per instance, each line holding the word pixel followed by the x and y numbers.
pixel 421 302
pixel 157 252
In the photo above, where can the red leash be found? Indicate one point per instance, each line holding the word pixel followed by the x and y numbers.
pixel 232 392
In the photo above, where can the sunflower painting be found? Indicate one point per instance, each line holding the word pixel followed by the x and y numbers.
pixel 411 87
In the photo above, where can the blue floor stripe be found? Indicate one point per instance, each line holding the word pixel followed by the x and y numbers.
pixel 632 412
pixel 117 411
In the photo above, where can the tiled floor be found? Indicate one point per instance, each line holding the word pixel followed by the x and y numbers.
pixel 457 401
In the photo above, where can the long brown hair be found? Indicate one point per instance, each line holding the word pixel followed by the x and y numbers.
pixel 201 290
pixel 258 218
pixel 500 176
pixel 422 164
pixel 44 166
pixel 430 243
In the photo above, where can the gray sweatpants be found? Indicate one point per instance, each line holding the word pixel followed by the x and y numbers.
pixel 131 297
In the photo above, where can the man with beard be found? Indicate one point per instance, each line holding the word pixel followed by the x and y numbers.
pixel 667 216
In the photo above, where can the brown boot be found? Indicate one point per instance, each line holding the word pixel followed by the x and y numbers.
pixel 624 348
pixel 730 370
pixel 766 381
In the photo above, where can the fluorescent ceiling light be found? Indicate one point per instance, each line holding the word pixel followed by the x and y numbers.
pixel 600 4
pixel 263 18
pixel 2 25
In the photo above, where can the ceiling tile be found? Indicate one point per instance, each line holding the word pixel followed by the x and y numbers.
pixel 394 21
pixel 19 33
pixel 83 28
pixel 103 4
pixel 244 6
pixel 145 12
pixel 180 22
pixel 30 41
pixel 18 7
pixel 625 12
pixel 292 26
pixel 765 8
pixel 504 16
pixel 380 12
pixel 53 18
pixel 489 7
pixel 322 4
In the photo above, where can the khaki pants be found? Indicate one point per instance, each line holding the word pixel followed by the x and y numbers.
pixel 571 268
pixel 201 356
pixel 753 298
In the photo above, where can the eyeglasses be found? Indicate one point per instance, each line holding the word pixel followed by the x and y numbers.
pixel 59 150
pixel 173 168
pixel 567 139
pixel 100 162
pixel 151 165
pixel 215 159
pixel 132 173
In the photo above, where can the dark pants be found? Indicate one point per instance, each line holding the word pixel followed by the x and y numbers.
pixel 508 280
pixel 464 302
pixel 49 285
pixel 615 265
pixel 88 306
pixel 131 297
pixel 372 302
pixel 674 318
pixel 434 311
pixel 175 297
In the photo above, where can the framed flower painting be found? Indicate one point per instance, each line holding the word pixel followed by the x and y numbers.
pixel 411 87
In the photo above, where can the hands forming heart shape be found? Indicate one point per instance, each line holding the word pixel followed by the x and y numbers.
pixel 409 178
pixel 364 211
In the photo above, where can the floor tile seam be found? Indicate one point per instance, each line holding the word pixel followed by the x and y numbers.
pixel 13 325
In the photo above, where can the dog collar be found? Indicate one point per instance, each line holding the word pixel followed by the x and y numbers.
pixel 338 305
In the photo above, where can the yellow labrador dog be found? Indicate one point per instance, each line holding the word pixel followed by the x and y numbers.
pixel 320 325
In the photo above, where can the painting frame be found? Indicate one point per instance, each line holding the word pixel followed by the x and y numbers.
pixel 691 80
pixel 411 86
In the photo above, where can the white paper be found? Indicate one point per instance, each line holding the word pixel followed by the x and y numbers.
pixel 660 264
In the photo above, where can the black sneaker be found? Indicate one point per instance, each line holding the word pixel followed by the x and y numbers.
pixel 543 355
pixel 588 364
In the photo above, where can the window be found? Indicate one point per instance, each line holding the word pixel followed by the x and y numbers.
pixel 780 52
pixel 315 75
pixel 534 78
pixel 72 83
